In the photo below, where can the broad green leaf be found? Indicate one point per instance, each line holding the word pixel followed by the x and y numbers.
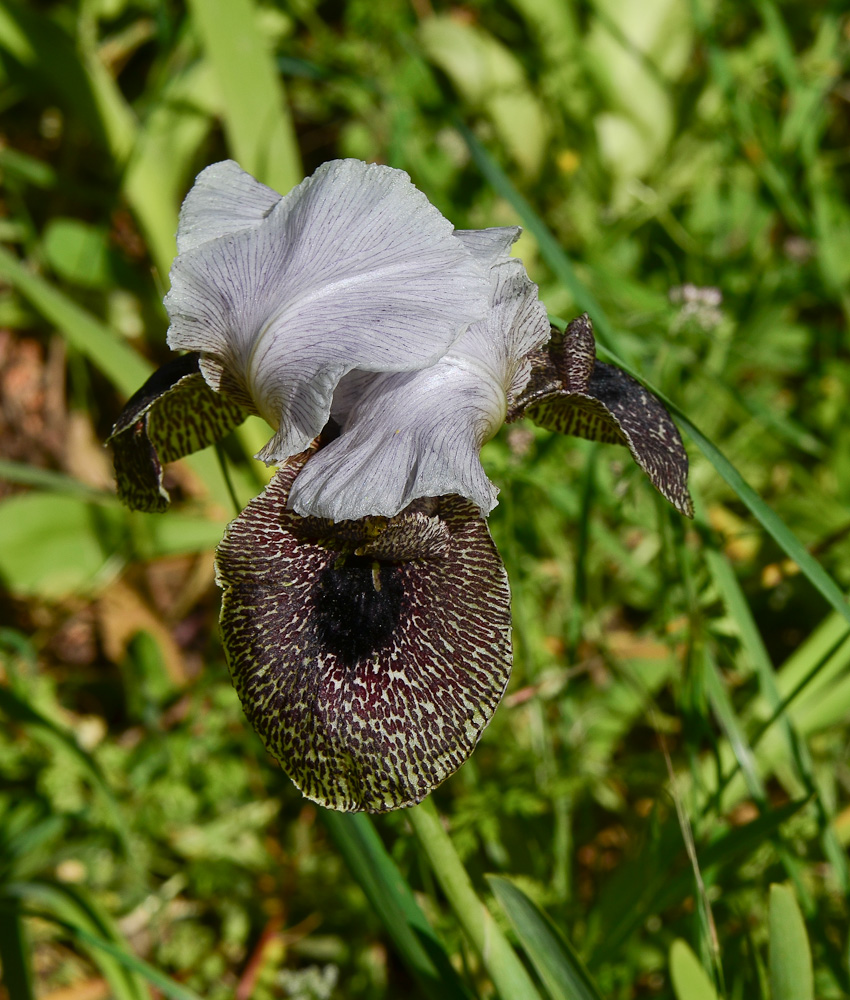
pixel 690 980
pixel 256 116
pixel 421 950
pixel 77 252
pixel 53 545
pixel 791 975
pixel 561 970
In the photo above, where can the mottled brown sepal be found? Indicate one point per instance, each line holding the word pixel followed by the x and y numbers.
pixel 369 676
pixel 571 392
pixel 173 414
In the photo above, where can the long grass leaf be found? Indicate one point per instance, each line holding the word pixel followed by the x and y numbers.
pixel 256 116
pixel 654 893
pixel 55 482
pixel 689 978
pixel 74 909
pixel 14 956
pixel 561 970
pixel 563 269
pixel 791 975
pixel 81 84
pixel 509 976
pixel 422 951
pixel 98 945
pixel 156 174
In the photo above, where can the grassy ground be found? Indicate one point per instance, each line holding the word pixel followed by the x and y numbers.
pixel 674 739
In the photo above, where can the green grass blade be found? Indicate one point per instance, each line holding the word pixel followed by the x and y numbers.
pixel 655 892
pixel 14 957
pixel 791 975
pixel 563 269
pixel 137 967
pixel 358 842
pixel 689 978
pixel 561 970
pixel 55 482
pixel 256 116
pixel 157 173
pixel 126 369
pixel 73 908
pixel 724 711
pixel 509 976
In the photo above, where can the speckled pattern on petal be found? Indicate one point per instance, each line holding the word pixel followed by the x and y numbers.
pixel 173 414
pixel 369 679
pixel 571 392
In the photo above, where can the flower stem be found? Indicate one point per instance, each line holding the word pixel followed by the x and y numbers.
pixel 509 976
pixel 225 472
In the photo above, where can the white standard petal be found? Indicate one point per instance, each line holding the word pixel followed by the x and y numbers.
pixel 353 269
pixel 419 434
pixel 224 199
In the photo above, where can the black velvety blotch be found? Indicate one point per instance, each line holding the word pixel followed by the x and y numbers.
pixel 355 620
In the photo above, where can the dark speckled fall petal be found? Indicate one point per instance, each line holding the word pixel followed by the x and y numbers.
pixel 173 414
pixel 571 392
pixel 369 676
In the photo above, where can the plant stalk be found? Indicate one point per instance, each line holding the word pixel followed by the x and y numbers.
pixel 509 975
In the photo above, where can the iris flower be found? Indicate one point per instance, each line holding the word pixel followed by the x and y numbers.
pixel 366 611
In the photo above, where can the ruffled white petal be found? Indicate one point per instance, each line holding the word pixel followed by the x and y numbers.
pixel 353 269
pixel 490 247
pixel 419 434
pixel 225 199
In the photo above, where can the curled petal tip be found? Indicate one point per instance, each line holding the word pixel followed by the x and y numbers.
pixel 571 392
pixel 172 415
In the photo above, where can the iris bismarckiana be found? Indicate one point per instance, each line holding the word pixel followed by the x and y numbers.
pixel 366 611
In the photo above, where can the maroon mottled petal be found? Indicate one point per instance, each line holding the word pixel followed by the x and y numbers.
pixel 370 681
pixel 569 391
pixel 173 414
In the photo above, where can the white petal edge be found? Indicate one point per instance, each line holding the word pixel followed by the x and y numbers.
pixel 419 434
pixel 353 269
pixel 224 199
pixel 492 246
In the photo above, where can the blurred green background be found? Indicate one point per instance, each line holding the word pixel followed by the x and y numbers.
pixel 675 736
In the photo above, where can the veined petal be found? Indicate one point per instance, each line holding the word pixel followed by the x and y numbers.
pixel 353 269
pixel 369 677
pixel 420 433
pixel 173 414
pixel 492 246
pixel 571 392
pixel 225 199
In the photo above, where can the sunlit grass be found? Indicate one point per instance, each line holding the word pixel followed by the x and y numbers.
pixel 674 738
